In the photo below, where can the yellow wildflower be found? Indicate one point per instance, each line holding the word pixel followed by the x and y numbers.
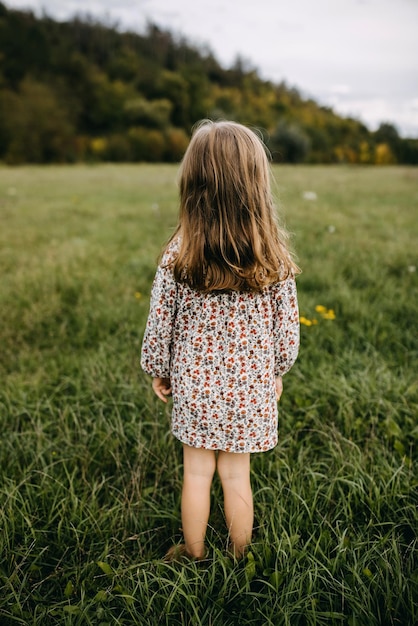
pixel 326 314
pixel 305 321
pixel 138 295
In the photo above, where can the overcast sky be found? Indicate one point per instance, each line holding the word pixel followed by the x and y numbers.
pixel 358 56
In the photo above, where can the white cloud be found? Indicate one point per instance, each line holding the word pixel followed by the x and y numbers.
pixel 340 89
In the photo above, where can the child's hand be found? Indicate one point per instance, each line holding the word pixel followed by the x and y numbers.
pixel 279 387
pixel 162 388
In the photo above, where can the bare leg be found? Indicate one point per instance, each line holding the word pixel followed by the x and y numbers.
pixel 234 472
pixel 199 468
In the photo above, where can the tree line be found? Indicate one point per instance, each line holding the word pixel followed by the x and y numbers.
pixel 81 90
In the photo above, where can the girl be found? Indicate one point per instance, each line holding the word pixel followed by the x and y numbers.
pixel 223 325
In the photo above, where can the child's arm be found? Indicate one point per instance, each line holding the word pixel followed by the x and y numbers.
pixel 285 326
pixel 156 345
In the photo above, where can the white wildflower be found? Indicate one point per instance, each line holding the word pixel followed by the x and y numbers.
pixel 309 195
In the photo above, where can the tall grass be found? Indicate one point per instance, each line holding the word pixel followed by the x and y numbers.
pixel 90 475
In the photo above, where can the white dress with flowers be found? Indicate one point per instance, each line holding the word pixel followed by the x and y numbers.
pixel 222 352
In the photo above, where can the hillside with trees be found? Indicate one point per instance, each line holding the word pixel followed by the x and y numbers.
pixel 82 90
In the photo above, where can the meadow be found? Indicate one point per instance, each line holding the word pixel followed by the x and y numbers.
pixel 90 475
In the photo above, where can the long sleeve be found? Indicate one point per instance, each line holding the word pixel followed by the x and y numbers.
pixel 285 325
pixel 156 345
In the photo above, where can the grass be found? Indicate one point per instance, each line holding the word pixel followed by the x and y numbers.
pixel 91 477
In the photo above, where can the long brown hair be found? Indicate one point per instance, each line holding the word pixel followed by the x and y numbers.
pixel 228 235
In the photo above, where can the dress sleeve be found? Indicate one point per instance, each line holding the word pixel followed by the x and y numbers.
pixel 285 325
pixel 156 345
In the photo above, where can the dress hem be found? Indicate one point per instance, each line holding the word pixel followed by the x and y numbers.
pixel 220 449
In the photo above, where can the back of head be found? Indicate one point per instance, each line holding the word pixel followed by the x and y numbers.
pixel 229 235
pixel 225 159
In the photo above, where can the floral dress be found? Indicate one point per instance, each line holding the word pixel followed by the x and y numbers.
pixel 222 352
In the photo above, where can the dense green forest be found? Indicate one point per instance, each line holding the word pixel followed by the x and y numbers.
pixel 82 90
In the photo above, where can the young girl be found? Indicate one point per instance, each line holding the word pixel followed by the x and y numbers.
pixel 223 325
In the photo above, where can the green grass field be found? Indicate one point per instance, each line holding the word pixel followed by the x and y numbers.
pixel 90 475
